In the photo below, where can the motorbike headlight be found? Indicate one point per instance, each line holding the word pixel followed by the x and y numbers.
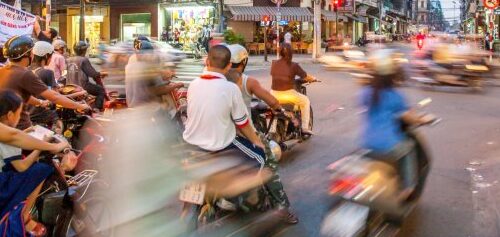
pixel 276 149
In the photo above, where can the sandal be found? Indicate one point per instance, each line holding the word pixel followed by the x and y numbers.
pixel 38 230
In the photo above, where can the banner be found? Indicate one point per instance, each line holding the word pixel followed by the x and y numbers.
pixel 14 22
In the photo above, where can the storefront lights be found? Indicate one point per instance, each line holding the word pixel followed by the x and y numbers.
pixel 194 8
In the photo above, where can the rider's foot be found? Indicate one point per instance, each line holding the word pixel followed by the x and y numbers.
pixel 307 132
pixel 35 229
pixel 286 216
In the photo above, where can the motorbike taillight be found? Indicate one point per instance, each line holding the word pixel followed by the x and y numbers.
pixel 344 185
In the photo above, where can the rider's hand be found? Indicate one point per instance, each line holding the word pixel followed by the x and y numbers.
pixel 59 147
pixel 167 74
pixel 83 108
pixel 103 74
pixel 310 78
pixel 47 138
pixel 177 85
pixel 44 103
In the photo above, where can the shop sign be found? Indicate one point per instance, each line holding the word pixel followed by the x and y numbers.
pixel 280 2
pixel 347 6
pixel 491 4
pixel 497 11
pixel 14 22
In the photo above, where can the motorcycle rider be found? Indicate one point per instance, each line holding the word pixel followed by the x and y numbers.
pixel 215 108
pixel 80 70
pixel 143 77
pixel 58 62
pixel 283 72
pixel 382 133
pixel 249 86
pixel 17 77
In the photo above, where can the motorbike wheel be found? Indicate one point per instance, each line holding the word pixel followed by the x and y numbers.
pixel 97 223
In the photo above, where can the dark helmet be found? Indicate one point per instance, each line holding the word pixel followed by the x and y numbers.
pixel 80 47
pixel 138 40
pixel 18 47
pixel 144 45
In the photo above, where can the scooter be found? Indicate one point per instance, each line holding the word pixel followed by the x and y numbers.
pixel 420 44
pixel 221 188
pixel 283 127
pixel 70 205
pixel 430 75
pixel 369 191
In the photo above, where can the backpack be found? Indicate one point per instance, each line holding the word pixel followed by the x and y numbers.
pixel 75 74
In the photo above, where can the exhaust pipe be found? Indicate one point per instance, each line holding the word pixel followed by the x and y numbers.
pixel 287 145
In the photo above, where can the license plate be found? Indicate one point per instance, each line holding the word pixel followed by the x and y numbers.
pixel 193 193
pixel 349 219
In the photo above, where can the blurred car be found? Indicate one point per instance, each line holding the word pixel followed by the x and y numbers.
pixel 168 52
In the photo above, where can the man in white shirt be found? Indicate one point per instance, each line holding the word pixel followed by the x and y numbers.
pixel 288 37
pixel 215 106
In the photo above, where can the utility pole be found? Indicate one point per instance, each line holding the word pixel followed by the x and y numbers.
pixel 317 30
pixel 278 19
pixel 220 9
pixel 336 10
pixel 380 8
pixel 266 22
pixel 48 17
pixel 82 20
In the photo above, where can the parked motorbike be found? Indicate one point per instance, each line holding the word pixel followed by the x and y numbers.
pixel 283 127
pixel 369 190
pixel 70 205
pixel 431 75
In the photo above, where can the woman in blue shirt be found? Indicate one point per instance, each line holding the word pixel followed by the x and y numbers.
pixel 385 109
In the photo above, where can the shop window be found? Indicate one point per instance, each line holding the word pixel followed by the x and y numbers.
pixel 189 24
pixel 133 25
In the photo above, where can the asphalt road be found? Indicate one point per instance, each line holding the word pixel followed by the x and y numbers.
pixel 461 196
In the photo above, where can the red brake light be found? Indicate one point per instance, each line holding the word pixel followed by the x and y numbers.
pixel 344 185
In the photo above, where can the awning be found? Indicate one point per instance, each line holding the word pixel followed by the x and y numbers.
pixel 357 18
pixel 362 10
pixel 247 13
pixel 376 18
pixel 331 16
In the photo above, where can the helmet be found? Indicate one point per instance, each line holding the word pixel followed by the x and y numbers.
pixel 58 44
pixel 144 45
pixel 238 53
pixel 18 47
pixel 80 47
pixel 138 40
pixel 42 48
pixel 383 62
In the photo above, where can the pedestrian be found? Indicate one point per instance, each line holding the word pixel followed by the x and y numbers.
pixel 288 37
pixel 58 62
pixel 487 41
pixel 164 35
pixel 47 35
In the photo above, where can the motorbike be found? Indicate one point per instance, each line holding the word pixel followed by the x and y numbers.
pixel 222 187
pixel 369 190
pixel 431 75
pixel 420 44
pixel 283 127
pixel 72 204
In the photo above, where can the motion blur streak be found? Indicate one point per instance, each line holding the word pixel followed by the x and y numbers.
pixel 145 174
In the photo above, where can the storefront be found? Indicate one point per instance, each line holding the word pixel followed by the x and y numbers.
pixel 186 24
pixel 247 21
pixel 132 21
pixel 96 27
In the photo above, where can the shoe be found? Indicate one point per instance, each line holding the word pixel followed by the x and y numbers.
pixel 307 132
pixel 287 217
pixel 38 230
pixel 226 205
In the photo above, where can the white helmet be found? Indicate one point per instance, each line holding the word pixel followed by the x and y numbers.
pixel 59 44
pixel 383 62
pixel 238 53
pixel 42 48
